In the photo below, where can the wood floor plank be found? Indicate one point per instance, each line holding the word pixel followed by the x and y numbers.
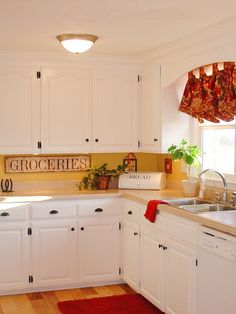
pixel 46 302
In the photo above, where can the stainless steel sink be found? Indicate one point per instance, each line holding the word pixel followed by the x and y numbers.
pixel 196 206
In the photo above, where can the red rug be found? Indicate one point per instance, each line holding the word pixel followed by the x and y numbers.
pixel 119 304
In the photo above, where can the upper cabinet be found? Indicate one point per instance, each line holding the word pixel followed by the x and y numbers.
pixel 151 108
pixel 162 123
pixel 66 110
pixel 115 98
pixel 20 111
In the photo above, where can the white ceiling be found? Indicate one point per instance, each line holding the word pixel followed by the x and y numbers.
pixel 124 27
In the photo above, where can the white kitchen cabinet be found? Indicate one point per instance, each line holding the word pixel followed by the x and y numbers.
pixel 99 250
pixel 54 253
pixel 66 110
pixel 152 267
pixel 20 111
pixel 151 108
pixel 14 247
pixel 168 262
pixel 180 264
pixel 161 122
pixel 131 251
pixel 115 104
pixel 54 242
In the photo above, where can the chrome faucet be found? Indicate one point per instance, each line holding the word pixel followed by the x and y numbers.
pixel 223 179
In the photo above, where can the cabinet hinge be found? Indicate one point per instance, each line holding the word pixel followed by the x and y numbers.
pixel 120 225
pixel 196 262
pixel 31 279
pixel 38 74
pixel 29 231
pixel 39 144
pixel 119 270
pixel 139 78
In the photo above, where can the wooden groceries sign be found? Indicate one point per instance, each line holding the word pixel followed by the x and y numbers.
pixel 27 164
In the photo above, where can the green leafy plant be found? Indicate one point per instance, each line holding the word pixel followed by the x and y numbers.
pixel 91 180
pixel 190 154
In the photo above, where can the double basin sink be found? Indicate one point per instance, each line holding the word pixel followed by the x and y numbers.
pixel 197 206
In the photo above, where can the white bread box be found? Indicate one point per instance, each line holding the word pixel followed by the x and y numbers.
pixel 142 180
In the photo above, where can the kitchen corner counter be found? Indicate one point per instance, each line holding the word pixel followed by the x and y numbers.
pixel 224 221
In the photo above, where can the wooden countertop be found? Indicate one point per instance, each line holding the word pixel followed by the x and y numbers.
pixel 222 221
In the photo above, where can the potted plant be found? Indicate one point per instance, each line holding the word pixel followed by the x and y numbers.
pixel 98 178
pixel 190 155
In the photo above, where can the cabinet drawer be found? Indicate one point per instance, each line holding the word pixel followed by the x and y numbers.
pixel 131 211
pixel 181 229
pixel 53 210
pixel 99 207
pixel 13 212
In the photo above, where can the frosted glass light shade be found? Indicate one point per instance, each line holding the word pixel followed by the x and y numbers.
pixel 77 43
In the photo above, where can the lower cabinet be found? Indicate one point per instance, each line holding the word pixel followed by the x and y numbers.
pixel 152 267
pixel 14 256
pixel 99 250
pixel 54 253
pixel 131 253
pixel 180 273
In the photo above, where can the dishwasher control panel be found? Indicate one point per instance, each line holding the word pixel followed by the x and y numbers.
pixel 218 243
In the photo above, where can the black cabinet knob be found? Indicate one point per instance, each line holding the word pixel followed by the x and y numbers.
pixel 96 140
pixel 130 212
pixel 53 212
pixel 5 214
pixel 160 245
pixel 164 248
pixel 98 210
pixel 155 139
pixel 135 233
pixel 72 229
pixel 82 228
pixel 87 140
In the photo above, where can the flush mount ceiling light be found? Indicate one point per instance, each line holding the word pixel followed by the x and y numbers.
pixel 77 43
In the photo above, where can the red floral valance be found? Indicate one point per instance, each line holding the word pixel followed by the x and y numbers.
pixel 211 97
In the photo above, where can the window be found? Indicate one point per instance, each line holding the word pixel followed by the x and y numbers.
pixel 217 142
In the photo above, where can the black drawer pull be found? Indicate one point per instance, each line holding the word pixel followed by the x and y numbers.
pixel 160 245
pixel 53 212
pixel 130 212
pixel 98 210
pixel 72 229
pixel 82 228
pixel 87 140
pixel 135 233
pixel 4 214
pixel 96 140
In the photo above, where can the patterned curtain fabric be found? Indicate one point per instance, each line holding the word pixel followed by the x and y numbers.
pixel 211 97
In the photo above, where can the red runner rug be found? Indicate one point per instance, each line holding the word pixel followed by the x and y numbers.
pixel 118 304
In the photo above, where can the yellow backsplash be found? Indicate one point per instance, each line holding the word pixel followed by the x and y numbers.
pixel 146 162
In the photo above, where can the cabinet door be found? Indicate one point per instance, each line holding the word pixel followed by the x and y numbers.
pixel 115 110
pixel 180 278
pixel 99 250
pixel 152 267
pixel 54 252
pixel 131 254
pixel 14 260
pixel 66 96
pixel 151 108
pixel 20 116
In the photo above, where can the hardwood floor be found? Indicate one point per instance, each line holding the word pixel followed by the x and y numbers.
pixel 46 302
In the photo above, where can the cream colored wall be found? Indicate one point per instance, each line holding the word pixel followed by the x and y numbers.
pixel 146 162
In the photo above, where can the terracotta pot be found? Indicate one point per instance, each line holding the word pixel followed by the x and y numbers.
pixel 103 182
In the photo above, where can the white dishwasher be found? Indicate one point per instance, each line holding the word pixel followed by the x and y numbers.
pixel 216 273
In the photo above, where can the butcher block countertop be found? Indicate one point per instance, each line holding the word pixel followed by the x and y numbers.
pixel 224 221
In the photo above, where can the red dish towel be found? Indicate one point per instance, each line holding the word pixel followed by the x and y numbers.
pixel 151 210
